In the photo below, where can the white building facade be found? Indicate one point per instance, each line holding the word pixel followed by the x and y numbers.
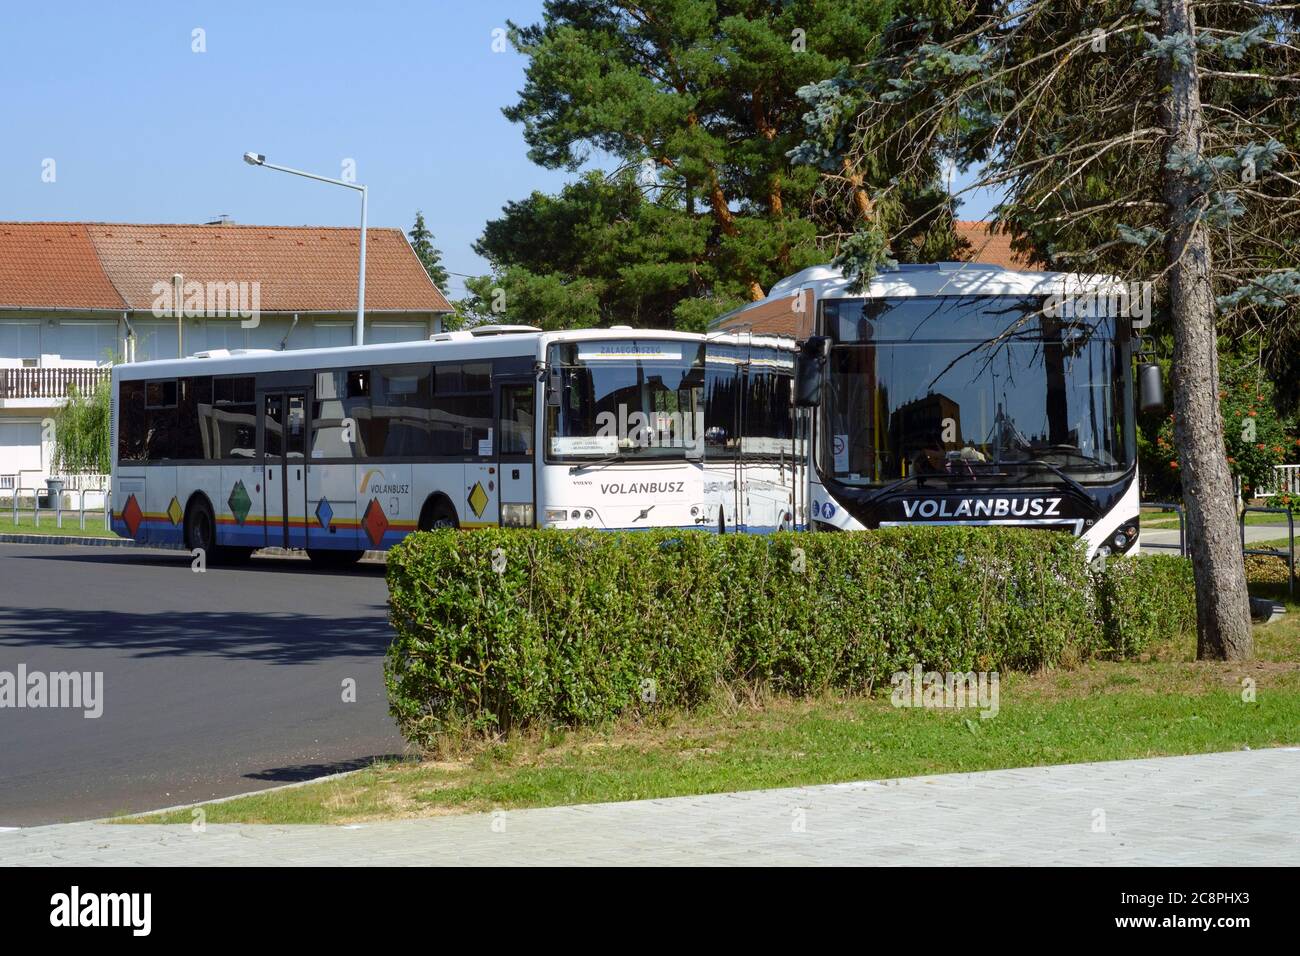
pixel 75 298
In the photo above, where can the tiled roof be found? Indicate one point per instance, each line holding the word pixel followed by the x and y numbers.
pixel 298 268
pixel 992 248
pixel 52 265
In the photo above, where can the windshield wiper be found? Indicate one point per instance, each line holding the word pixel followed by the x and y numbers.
pixel 1077 453
pixel 899 484
pixel 600 463
pixel 1082 491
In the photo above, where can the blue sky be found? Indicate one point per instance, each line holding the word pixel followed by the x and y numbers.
pixel 143 129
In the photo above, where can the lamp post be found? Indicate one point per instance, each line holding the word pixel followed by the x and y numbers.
pixel 257 159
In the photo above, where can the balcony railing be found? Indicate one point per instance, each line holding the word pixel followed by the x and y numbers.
pixel 49 382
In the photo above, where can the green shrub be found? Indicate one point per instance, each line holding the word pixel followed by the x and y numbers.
pixel 1143 600
pixel 82 432
pixel 496 629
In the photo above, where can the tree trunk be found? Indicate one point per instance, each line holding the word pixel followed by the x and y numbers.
pixel 1223 627
pixel 862 204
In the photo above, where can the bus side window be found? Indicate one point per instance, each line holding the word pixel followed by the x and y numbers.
pixel 356 408
pixel 461 409
pixel 517 420
pixel 768 416
pixel 233 418
pixel 194 401
pixel 160 418
pixel 721 395
pixel 131 428
pixel 401 403
pixel 332 436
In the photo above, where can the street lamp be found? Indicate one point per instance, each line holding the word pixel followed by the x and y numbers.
pixel 257 159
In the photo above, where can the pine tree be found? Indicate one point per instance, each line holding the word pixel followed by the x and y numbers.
pixel 431 258
pixel 696 103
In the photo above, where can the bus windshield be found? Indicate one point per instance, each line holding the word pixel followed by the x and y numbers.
pixel 625 400
pixel 963 389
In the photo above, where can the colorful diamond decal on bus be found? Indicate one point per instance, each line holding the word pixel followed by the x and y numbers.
pixel 478 499
pixel 239 502
pixel 174 511
pixel 132 515
pixel 324 513
pixel 375 522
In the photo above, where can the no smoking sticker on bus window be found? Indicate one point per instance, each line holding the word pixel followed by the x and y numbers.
pixel 840 447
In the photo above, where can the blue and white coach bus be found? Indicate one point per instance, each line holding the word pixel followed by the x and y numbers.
pixel 962 393
pixel 342 450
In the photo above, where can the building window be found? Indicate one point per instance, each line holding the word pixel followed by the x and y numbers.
pixel 21 341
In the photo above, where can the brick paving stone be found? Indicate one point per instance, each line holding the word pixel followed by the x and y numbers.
pixel 1233 808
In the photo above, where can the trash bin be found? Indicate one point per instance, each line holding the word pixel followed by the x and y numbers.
pixel 53 493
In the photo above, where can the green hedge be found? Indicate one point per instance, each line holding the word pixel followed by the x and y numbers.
pixel 496 629
pixel 1144 600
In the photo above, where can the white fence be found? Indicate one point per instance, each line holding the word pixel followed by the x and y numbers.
pixel 84 498
pixel 1286 480
pixel 83 482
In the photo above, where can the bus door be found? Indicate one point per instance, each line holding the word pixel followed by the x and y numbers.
pixel 722 382
pixel 284 467
pixel 516 450
pixel 740 499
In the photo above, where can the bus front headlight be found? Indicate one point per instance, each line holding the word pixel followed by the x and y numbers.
pixel 556 514
pixel 516 516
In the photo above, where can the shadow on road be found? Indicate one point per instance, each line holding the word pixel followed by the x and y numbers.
pixel 278 638
pixel 310 771
pixel 272 564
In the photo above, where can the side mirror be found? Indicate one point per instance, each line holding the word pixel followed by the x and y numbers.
pixel 1151 388
pixel 554 383
pixel 809 371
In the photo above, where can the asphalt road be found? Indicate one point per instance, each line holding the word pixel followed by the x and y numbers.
pixel 214 683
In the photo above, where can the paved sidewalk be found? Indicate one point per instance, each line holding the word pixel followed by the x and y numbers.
pixel 1169 536
pixel 1229 808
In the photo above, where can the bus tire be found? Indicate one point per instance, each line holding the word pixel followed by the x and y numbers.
pixel 438 513
pixel 200 529
pixel 333 558
pixel 200 532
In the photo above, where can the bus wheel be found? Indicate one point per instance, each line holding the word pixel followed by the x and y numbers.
pixel 438 514
pixel 332 558
pixel 200 528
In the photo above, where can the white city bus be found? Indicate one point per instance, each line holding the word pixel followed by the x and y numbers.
pixel 343 450
pixel 962 393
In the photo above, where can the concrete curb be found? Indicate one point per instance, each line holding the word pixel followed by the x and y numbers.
pixel 297 784
pixel 66 539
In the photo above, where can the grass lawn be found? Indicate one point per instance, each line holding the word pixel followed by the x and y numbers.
pixel 1167 519
pixel 1167 704
pixel 27 524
